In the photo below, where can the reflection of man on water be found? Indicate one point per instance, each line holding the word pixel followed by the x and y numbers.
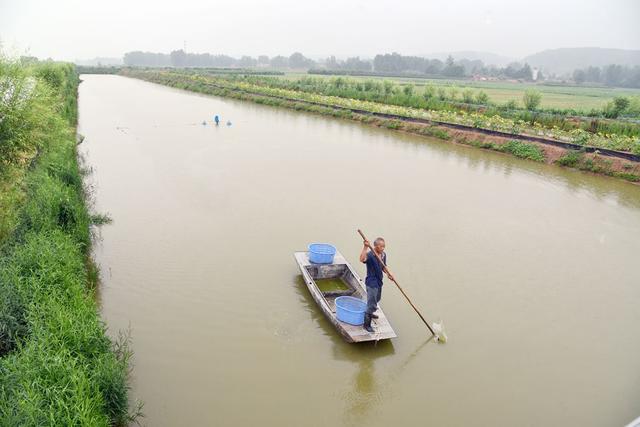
pixel 374 277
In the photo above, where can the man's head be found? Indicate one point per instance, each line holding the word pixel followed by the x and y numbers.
pixel 379 245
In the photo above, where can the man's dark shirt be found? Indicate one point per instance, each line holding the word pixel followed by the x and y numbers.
pixel 374 270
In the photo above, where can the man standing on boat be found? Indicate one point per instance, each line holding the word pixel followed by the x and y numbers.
pixel 374 277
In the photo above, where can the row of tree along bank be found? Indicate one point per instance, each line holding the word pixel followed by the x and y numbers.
pixel 57 364
pixel 379 115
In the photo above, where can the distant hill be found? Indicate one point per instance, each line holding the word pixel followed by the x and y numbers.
pixel 487 57
pixel 565 60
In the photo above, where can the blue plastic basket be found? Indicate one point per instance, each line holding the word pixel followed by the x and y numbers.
pixel 350 310
pixel 321 253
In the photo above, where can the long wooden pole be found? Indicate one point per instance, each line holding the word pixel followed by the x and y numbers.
pixel 386 270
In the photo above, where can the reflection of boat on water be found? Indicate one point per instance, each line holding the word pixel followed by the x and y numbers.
pixel 342 271
pixel 367 387
pixel 370 389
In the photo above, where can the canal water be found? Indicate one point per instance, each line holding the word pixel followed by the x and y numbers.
pixel 533 268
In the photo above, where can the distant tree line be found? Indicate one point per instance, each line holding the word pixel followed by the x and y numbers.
pixel 182 59
pixel 610 75
pixel 392 63
pixel 396 63
pixel 351 64
pixel 146 59
pixel 383 64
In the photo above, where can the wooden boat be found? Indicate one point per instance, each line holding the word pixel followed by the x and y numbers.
pixel 354 286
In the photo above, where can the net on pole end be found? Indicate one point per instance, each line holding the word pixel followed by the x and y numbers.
pixel 438 328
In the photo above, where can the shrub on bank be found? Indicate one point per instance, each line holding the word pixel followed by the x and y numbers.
pixel 571 159
pixel 524 150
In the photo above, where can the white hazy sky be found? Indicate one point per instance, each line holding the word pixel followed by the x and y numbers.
pixel 75 29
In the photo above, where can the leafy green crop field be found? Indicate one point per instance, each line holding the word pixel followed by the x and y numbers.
pixel 553 96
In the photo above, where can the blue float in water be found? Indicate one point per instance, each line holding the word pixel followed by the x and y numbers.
pixel 216 119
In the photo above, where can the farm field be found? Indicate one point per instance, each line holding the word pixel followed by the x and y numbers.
pixel 553 96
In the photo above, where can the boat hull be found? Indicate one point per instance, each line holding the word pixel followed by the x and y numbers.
pixel 341 269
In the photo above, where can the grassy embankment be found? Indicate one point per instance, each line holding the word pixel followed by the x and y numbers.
pixel 57 365
pixel 298 100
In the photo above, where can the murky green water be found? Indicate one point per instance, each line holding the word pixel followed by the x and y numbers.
pixel 327 285
pixel 534 270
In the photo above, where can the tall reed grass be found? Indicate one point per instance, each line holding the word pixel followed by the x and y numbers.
pixel 57 364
